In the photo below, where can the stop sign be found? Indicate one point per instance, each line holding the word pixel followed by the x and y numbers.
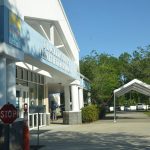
pixel 8 113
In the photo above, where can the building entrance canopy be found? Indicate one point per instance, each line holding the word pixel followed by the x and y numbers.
pixel 135 85
pixel 24 38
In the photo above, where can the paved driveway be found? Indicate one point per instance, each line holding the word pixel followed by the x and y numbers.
pixel 130 132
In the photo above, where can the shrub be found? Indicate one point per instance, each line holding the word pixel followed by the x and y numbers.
pixel 90 113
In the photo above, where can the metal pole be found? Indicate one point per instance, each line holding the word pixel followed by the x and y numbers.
pixel 114 108
pixel 6 137
pixel 38 130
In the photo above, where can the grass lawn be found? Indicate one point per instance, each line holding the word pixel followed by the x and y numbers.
pixel 147 113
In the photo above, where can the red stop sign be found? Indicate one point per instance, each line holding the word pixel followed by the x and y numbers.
pixel 8 113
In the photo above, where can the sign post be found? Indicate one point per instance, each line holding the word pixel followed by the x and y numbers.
pixel 6 137
pixel 8 114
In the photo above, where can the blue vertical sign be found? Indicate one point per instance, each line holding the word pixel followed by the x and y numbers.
pixel 14 30
pixel 1 23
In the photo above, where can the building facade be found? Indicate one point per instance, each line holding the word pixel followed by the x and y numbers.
pixel 39 57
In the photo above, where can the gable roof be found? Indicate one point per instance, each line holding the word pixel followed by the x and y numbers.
pixel 135 85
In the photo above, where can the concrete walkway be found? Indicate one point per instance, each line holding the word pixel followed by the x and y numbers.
pixel 130 132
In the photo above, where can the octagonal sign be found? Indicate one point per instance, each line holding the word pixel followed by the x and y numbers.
pixel 8 113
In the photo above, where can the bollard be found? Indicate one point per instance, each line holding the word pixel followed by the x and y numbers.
pixel 26 136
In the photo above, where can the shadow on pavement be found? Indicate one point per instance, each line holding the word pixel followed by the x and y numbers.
pixel 35 147
pixel 93 141
pixel 34 132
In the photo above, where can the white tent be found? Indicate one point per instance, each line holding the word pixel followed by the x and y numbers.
pixel 135 85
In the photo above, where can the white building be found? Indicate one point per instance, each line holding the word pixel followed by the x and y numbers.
pixel 39 56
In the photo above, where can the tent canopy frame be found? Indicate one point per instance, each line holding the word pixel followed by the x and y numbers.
pixel 135 85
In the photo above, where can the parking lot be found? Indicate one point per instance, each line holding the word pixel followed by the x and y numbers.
pixel 131 131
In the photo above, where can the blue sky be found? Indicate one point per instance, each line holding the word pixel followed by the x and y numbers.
pixel 109 26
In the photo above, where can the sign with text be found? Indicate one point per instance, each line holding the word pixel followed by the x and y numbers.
pixel 25 38
pixel 8 113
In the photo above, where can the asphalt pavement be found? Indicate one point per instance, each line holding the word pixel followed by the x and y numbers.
pixel 130 132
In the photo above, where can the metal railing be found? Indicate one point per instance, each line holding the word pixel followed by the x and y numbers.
pixel 35 119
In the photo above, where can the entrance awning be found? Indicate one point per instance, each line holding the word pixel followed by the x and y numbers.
pixel 135 85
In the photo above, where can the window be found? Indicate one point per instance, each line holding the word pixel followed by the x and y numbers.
pixel 20 73
pixel 42 79
pixel 40 94
pixel 29 76
pixel 24 83
pixel 16 72
pixel 25 74
pixel 34 77
pixel 33 93
pixel 39 78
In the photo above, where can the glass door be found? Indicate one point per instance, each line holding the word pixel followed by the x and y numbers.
pixel 22 99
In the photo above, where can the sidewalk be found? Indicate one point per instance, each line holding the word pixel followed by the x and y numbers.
pixel 129 133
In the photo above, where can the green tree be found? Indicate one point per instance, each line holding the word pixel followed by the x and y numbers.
pixel 107 73
pixel 102 70
pixel 124 66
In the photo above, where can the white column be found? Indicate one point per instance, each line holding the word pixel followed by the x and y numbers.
pixel 67 98
pixel 2 81
pixel 46 101
pixel 81 102
pixel 11 82
pixel 75 97
pixel 52 38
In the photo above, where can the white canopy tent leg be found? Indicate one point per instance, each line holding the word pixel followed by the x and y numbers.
pixel 114 108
